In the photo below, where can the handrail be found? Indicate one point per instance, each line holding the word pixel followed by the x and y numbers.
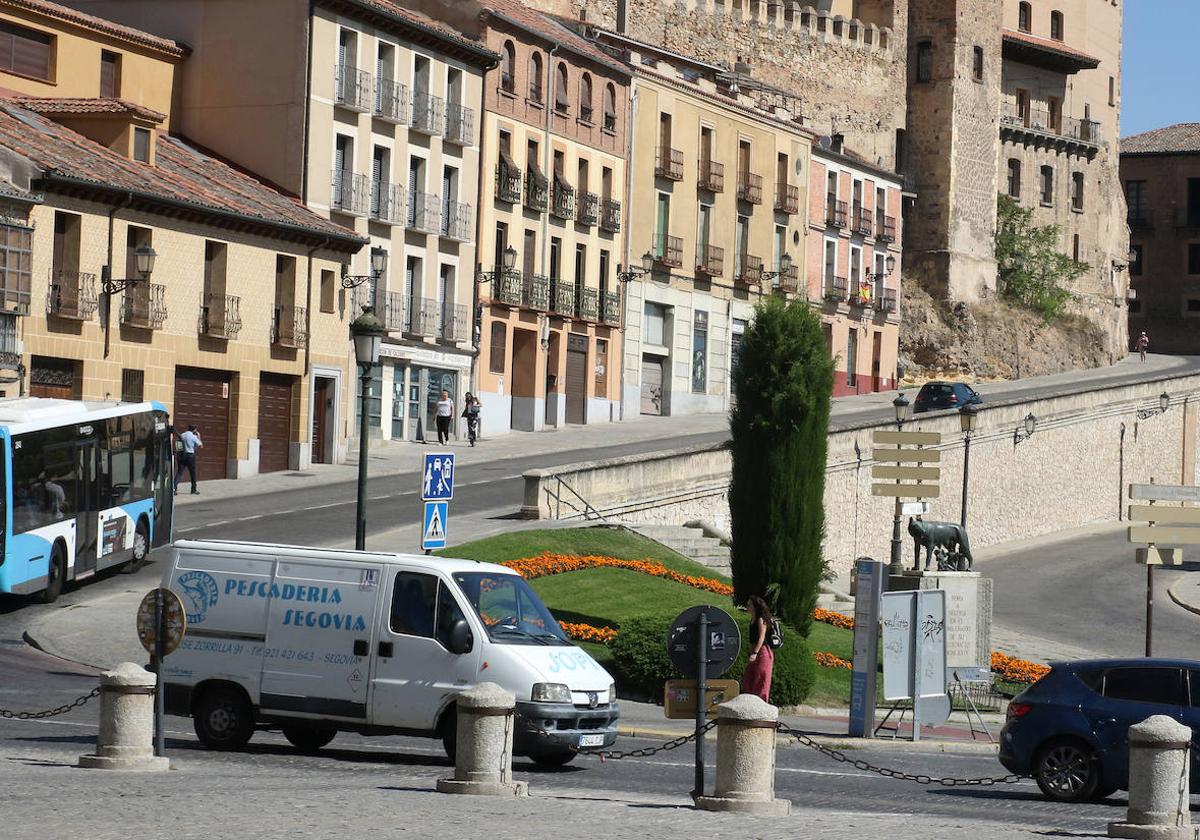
pixel 557 497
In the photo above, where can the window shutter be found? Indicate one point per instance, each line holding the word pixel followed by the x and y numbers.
pixel 108 74
pixel 29 54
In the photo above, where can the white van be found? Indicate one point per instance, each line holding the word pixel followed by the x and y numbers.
pixel 314 641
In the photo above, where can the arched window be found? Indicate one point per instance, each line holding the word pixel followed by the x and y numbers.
pixel 1056 25
pixel 560 88
pixel 610 107
pixel 585 98
pixel 508 58
pixel 535 78
pixel 1025 17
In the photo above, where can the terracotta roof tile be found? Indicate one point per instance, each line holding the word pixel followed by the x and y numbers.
pixel 1173 139
pixel 418 19
pixel 96 24
pixel 79 105
pixel 552 29
pixel 1049 44
pixel 183 175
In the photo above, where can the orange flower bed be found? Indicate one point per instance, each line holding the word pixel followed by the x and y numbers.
pixel 588 632
pixel 556 564
pixel 828 660
pixel 1012 669
pixel 834 618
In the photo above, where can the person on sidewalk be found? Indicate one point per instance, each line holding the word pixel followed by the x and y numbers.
pixel 445 413
pixel 189 442
pixel 471 413
pixel 756 679
pixel 1143 341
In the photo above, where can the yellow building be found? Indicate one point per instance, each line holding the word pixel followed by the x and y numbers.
pixel 550 230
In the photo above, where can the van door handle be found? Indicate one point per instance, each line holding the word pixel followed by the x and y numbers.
pixel 386 649
pixel 360 647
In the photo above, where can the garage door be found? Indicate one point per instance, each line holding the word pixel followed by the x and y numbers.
pixel 652 380
pixel 274 421
pixel 577 346
pixel 202 398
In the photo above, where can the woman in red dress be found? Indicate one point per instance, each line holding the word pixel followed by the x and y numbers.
pixel 756 679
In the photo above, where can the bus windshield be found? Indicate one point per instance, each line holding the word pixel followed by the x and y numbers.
pixel 511 611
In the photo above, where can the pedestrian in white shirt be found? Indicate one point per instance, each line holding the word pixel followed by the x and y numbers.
pixel 189 442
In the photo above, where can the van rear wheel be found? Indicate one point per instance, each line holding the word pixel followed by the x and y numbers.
pixel 308 738
pixel 223 719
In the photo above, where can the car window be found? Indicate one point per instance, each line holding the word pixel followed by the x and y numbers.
pixel 448 613
pixel 1194 687
pixel 1092 679
pixel 1144 685
pixel 413 604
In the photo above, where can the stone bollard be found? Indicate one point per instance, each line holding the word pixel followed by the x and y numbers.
pixel 126 737
pixel 1159 799
pixel 483 755
pixel 746 730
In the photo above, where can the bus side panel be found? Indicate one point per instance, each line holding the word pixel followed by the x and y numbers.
pixel 28 565
pixel 117 526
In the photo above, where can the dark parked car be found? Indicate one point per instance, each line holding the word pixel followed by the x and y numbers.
pixel 1069 730
pixel 937 395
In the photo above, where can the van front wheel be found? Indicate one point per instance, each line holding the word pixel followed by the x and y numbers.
pixel 308 738
pixel 223 719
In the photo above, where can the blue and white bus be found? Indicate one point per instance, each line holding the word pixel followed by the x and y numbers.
pixel 86 486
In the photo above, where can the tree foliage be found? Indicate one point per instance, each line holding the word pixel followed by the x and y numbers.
pixel 1031 269
pixel 779 427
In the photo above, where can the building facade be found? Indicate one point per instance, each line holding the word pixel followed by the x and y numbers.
pixel 1161 174
pixel 554 169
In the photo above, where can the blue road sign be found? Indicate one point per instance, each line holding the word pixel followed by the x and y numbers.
pixel 433 528
pixel 437 478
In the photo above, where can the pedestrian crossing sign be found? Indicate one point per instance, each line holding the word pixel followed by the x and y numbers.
pixel 433 529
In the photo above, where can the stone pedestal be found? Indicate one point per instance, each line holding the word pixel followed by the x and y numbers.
pixel 1159 803
pixel 746 730
pixel 126 737
pixel 968 612
pixel 484 744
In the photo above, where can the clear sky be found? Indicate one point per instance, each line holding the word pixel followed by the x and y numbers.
pixel 1161 65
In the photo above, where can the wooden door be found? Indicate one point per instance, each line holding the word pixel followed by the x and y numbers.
pixel 202 399
pixel 274 421
pixel 652 380
pixel 577 347
pixel 320 405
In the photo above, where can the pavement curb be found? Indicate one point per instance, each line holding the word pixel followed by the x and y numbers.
pixel 1179 600
pixel 844 743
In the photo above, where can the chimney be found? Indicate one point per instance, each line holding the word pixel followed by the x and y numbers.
pixel 622 17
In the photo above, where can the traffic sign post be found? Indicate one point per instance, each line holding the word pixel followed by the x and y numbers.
pixel 906 458
pixel 868 589
pixel 1155 524
pixel 437 489
pixel 433 526
pixel 161 625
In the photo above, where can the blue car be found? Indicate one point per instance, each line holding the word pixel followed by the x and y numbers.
pixel 935 396
pixel 1070 729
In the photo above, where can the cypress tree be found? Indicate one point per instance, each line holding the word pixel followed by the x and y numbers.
pixel 779 427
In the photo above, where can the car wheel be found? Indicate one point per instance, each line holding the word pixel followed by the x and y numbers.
pixel 1067 771
pixel 141 548
pixel 1103 792
pixel 223 719
pixel 449 734
pixel 308 738
pixel 555 759
pixel 55 576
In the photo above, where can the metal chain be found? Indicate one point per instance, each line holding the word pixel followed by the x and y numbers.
pixel 646 752
pixel 61 710
pixel 918 778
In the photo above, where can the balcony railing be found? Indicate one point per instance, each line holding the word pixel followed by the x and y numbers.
pixel 562 298
pixel 289 327
pixel 352 88
pixel 387 203
pixel 610 215
pixel 862 295
pixel 351 193
pixel 748 268
pixel 836 289
pixel 787 199
pixel 535 292
pixel 391 101
pixel 863 223
pixel 508 183
pixel 668 250
pixel 749 187
pixel 668 163
pixel 72 295
pixel 428 113
pixel 457 221
pixel 1015 116
pixel 220 316
pixel 392 310
pixel 144 305
pixel 421 316
pixel 1143 218
pixel 425 213
pixel 710 260
pixel 589 304
pixel 885 228
pixel 504 285
pixel 562 205
pixel 789 281
pixel 835 212
pixel 610 308
pixel 537 192
pixel 712 176
pixel 888 303
pixel 589 209
pixel 10 360
pixel 460 124
pixel 455 323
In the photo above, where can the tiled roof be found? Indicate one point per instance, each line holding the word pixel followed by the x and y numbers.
pixel 1050 45
pixel 99 105
pixel 1174 139
pixel 550 28
pixel 422 21
pixel 184 177
pixel 106 27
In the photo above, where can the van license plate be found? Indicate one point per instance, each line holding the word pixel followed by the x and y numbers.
pixel 591 740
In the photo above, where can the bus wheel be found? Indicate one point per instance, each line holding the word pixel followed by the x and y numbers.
pixel 56 575
pixel 141 548
pixel 223 719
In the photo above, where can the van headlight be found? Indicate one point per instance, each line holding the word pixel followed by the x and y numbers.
pixel 551 693
pixel 612 693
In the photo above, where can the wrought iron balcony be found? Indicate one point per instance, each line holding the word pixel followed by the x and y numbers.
pixel 863 224
pixel 788 281
pixel 589 304
pixel 351 193
pixel 508 183
pixel 144 305
pixel 749 188
pixel 562 297
pixel 504 285
pixel 352 88
pixel 668 250
pixel 610 308
pixel 391 101
pixel 455 324
pixel 535 292
pixel 460 124
pixel 668 163
pixel 457 221
pixel 862 295
pixel 1017 117
pixel 710 260
pixel 220 316
pixel 888 303
pixel 10 360
pixel 712 176
pixel 589 209
pixel 72 295
pixel 748 268
pixel 610 215
pixel 835 213
pixel 392 310
pixel 885 228
pixel 421 316
pixel 787 198
pixel 836 289
pixel 289 327
pixel 428 113
pixel 537 192
pixel 425 213
pixel 387 203
pixel 562 205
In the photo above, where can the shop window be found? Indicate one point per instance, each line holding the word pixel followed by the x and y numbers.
pixel 496 347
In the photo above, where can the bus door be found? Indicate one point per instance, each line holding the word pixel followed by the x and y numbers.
pixel 87 507
pixel 164 497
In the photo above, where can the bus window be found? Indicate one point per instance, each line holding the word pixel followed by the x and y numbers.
pixel 116 464
pixel 144 460
pixel 45 474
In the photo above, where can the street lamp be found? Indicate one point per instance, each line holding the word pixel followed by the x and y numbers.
pixel 143 264
pixel 903 411
pixel 633 272
pixel 889 266
pixel 968 418
pixel 785 268
pixel 367 331
pixel 379 260
pixel 1164 403
pixel 1025 431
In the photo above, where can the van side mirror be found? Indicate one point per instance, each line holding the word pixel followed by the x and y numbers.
pixel 461 638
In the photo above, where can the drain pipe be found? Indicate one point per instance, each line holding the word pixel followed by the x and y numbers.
pixel 623 288
pixel 549 176
pixel 308 314
pixel 124 204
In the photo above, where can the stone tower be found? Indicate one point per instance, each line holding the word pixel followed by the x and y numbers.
pixel 954 75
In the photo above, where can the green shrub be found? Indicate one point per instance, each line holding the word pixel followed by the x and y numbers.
pixel 642 665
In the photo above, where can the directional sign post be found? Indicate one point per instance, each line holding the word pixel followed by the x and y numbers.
pixel 437 489
pixel 1165 519
pixel 905 468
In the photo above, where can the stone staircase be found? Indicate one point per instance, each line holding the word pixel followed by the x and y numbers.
pixel 691 543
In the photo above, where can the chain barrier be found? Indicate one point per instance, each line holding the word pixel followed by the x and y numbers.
pixel 641 752
pixel 49 713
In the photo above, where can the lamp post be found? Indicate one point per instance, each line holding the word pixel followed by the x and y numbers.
pixel 1025 431
pixel 968 418
pixel 143 263
pixel 379 261
pixel 903 408
pixel 630 273
pixel 785 267
pixel 367 331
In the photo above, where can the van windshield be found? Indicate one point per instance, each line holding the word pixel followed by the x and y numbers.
pixel 511 611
